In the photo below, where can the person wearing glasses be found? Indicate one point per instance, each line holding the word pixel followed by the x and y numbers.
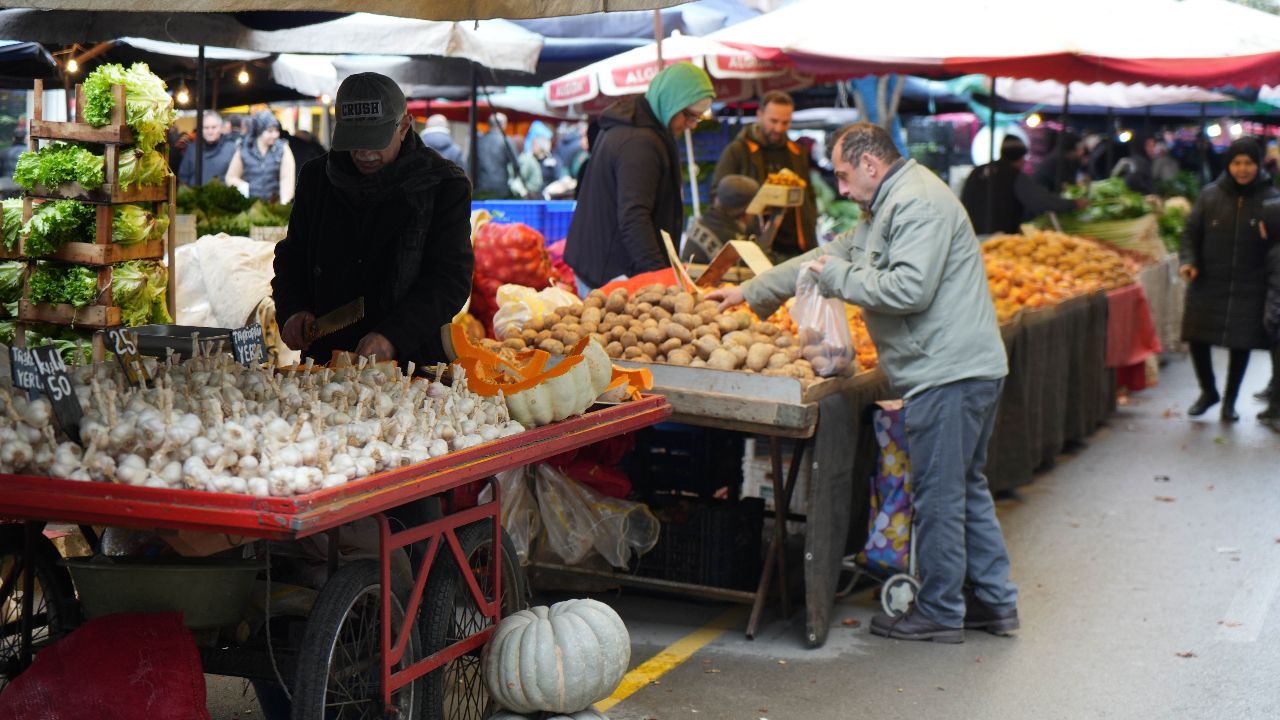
pixel 632 190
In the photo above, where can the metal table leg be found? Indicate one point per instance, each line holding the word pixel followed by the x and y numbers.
pixel 776 555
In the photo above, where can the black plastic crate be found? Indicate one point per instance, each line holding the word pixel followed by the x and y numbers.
pixel 687 459
pixel 706 542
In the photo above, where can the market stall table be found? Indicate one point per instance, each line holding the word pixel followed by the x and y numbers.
pixel 1131 335
pixel 39 499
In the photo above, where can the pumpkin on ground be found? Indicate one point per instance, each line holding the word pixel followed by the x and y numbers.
pixel 557 659
pixel 589 714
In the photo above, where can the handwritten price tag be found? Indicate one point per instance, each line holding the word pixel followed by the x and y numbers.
pixel 248 345
pixel 56 385
pixel 124 344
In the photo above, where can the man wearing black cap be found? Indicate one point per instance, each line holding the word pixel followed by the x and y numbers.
pixel 381 217
pixel 1062 164
pixel 725 220
pixel 999 197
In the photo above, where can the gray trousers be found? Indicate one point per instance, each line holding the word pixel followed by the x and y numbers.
pixel 958 538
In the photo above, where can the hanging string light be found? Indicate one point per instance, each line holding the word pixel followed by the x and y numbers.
pixel 243 77
pixel 183 96
pixel 73 66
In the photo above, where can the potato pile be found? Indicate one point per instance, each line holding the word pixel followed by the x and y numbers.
pixel 667 325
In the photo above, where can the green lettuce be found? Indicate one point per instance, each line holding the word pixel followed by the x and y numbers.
pixel 59 163
pixel 57 223
pixel 148 107
pixel 74 285
pixel 11 210
pixel 11 280
pixel 141 167
pixel 138 289
pixel 132 224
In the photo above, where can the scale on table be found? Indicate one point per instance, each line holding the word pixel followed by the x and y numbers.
pixel 772 203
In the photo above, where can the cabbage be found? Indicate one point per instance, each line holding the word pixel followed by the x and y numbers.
pixel 57 223
pixel 141 167
pixel 11 210
pixel 11 280
pixel 59 163
pixel 148 107
pixel 132 224
pixel 138 289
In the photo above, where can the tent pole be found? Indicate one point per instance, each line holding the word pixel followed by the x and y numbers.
pixel 1204 152
pixel 657 36
pixel 199 179
pixel 991 157
pixel 1062 150
pixel 1111 145
pixel 473 118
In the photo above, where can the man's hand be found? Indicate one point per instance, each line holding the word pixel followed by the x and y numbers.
pixel 727 297
pixel 376 346
pixel 294 332
pixel 815 266
pixel 1188 272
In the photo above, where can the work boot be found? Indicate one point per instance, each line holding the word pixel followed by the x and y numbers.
pixel 981 616
pixel 1203 403
pixel 914 626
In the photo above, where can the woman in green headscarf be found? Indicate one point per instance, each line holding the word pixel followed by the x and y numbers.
pixel 632 190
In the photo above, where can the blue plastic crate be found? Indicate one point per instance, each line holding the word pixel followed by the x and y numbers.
pixel 558 217
pixel 530 212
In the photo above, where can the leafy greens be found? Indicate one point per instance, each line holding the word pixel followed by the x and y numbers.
pixel 57 223
pixel 148 107
pixel 59 163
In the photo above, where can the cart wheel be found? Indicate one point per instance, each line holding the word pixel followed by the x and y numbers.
pixel 339 666
pixel 456 691
pixel 898 593
pixel 53 605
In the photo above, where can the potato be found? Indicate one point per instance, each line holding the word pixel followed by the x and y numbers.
pixel 657 288
pixel 632 353
pixel 668 302
pixel 809 336
pixel 630 339
pixel 643 308
pixel 614 349
pixel 651 298
pixel 708 316
pixel 514 343
pixel 564 311
pixel 648 323
pixel 809 352
pixel 823 365
pixel 684 303
pixel 679 357
pixel 722 359
pixel 758 355
pixel 740 352
pixel 706 305
pixel 760 338
pixel 727 324
pixel 592 315
pixel 802 363
pixel 536 324
pixel 698 362
pixel 617 301
pixel 528 334
pixel 765 328
pixel 776 360
pixel 645 358
pixel 775 372
pixel 737 337
pixel 652 335
pixel 678 332
pixel 670 344
pixel 570 338
pixel 660 313
pixel 784 340
pixel 706 345
pixel 588 328
pixel 543 335
pixel 650 349
pixel 613 317
pixel 600 338
pixel 793 353
pixel 555 347
pixel 687 320
pixel 712 330
pixel 617 331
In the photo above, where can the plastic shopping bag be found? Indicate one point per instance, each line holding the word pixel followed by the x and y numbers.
pixel 519 510
pixel 519 305
pixel 579 520
pixel 823 327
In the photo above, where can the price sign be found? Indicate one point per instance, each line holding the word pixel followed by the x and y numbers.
pixel 25 372
pixel 56 385
pixel 125 346
pixel 248 345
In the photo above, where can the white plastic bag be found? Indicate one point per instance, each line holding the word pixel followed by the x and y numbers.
pixel 519 510
pixel 519 305
pixel 823 327
pixel 579 520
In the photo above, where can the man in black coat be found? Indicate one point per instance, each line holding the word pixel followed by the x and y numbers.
pixel 380 217
pixel 631 191
pixel 999 196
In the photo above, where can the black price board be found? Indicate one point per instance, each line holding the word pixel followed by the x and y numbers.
pixel 124 344
pixel 25 372
pixel 56 385
pixel 248 345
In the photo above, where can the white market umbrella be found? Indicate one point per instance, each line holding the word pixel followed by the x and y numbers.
pixel 1112 95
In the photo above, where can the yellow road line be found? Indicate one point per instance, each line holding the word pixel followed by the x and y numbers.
pixel 673 656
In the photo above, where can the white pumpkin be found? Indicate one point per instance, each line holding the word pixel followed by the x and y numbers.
pixel 599 365
pixel 556 398
pixel 558 659
pixel 589 714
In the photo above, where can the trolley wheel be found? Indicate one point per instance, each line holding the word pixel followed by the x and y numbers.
pixel 898 593
pixel 456 691
pixel 339 662
pixel 53 606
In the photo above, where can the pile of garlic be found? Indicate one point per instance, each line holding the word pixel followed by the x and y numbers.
pixel 210 424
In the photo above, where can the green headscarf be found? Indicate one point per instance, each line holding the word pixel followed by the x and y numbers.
pixel 676 88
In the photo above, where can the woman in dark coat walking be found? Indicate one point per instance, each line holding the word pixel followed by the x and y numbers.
pixel 1224 251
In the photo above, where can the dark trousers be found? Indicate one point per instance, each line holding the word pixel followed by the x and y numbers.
pixel 1202 361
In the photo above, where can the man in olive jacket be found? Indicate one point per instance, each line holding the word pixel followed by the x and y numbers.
pixel 914 266
pixel 381 217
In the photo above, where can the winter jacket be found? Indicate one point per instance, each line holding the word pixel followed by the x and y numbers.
pixel 442 143
pixel 496 157
pixel 1271 311
pixel 1015 198
pixel 399 238
pixel 748 155
pixel 1224 242
pixel 631 192
pixel 709 233
pixel 217 158
pixel 914 266
pixel 262 172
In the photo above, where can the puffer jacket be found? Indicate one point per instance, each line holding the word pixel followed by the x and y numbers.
pixel 631 192
pixel 1223 240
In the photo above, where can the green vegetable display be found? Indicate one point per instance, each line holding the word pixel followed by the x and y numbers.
pixel 222 209
pixel 11 210
pixel 11 281
pixel 1184 184
pixel 148 107
pixel 55 283
pixel 1109 199
pixel 1172 221
pixel 141 167
pixel 75 346
pixel 133 224
pixel 59 163
pixel 57 223
pixel 212 198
